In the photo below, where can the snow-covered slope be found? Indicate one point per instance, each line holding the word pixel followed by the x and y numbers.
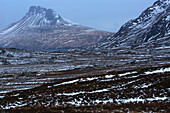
pixel 151 28
pixel 44 29
pixel 35 18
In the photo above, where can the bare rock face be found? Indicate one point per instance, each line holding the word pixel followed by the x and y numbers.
pixel 150 29
pixel 44 29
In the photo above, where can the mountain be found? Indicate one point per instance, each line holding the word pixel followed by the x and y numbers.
pixel 44 29
pixel 150 29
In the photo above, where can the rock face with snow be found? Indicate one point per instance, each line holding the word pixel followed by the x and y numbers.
pixel 44 29
pixel 151 28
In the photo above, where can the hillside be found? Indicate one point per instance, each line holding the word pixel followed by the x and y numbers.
pixel 44 29
pixel 150 30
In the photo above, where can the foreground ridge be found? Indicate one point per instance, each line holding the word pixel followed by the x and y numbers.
pixel 145 89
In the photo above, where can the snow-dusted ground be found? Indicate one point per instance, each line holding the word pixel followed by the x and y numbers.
pixel 38 68
pixel 132 87
pixel 19 61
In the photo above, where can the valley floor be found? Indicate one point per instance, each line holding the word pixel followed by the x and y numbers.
pixel 118 91
pixel 116 81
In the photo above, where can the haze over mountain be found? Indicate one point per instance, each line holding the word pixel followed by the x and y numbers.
pixel 150 29
pixel 44 29
pixel 100 71
pixel 107 15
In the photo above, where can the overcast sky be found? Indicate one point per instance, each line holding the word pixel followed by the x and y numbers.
pixel 108 15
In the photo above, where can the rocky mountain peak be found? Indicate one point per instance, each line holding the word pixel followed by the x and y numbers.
pixel 38 10
pixel 161 2
pixel 48 14
pixel 148 17
pixel 42 17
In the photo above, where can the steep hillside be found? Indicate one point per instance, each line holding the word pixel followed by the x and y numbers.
pixel 150 29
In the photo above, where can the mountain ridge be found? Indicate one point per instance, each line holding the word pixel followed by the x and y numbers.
pixel 147 30
pixel 44 29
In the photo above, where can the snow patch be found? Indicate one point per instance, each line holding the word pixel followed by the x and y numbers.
pixel 9 29
pixel 68 82
pixel 2 96
pixel 109 76
pixel 127 73
pixel 139 99
pixel 158 71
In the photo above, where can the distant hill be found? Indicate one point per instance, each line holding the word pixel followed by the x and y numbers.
pixel 44 29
